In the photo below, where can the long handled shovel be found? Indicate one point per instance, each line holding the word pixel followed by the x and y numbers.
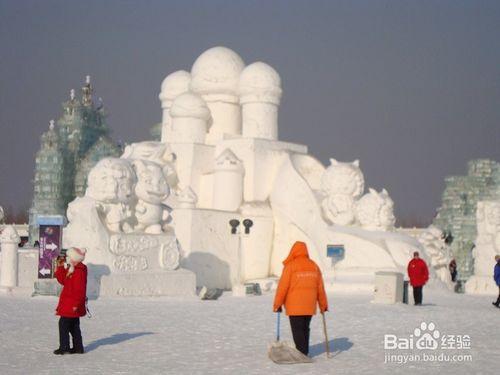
pixel 327 344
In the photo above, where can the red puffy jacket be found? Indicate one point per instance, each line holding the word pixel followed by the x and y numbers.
pixel 418 272
pixel 74 291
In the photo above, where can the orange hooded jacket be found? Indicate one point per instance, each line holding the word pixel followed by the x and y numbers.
pixel 301 285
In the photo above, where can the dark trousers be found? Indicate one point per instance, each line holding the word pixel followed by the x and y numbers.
pixel 417 294
pixel 454 276
pixel 498 299
pixel 67 326
pixel 300 331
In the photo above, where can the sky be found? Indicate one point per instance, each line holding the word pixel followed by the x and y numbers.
pixel 410 88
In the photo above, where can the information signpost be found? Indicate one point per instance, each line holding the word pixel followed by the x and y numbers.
pixel 50 229
pixel 335 252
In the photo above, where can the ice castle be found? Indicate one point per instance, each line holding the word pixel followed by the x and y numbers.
pixel 457 214
pixel 69 149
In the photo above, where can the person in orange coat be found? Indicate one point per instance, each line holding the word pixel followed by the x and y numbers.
pixel 71 306
pixel 300 289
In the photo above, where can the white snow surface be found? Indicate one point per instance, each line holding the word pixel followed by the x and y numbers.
pixel 230 336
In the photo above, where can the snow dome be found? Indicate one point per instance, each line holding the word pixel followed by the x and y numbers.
pixel 259 82
pixel 190 118
pixel 173 85
pixel 190 105
pixel 217 71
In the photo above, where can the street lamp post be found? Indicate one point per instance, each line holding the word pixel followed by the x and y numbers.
pixel 238 287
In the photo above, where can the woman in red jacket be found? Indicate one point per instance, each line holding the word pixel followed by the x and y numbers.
pixel 300 289
pixel 419 274
pixel 73 277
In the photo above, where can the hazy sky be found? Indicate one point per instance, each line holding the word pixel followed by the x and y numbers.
pixel 411 88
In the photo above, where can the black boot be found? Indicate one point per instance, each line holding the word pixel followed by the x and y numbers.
pixel 77 351
pixel 497 303
pixel 61 351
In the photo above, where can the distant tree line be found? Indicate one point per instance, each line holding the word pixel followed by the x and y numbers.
pixel 17 215
pixel 412 222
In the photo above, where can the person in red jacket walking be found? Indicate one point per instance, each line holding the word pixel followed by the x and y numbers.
pixel 419 274
pixel 300 289
pixel 72 274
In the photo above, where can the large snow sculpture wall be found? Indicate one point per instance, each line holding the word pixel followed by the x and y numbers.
pixel 122 221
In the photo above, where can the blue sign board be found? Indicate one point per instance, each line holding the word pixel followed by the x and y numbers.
pixel 336 252
pixel 50 220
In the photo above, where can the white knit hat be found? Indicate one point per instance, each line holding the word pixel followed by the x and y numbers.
pixel 76 255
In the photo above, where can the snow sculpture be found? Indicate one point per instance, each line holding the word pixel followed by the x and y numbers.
pixel 110 184
pixel 122 221
pixel 432 240
pixel 190 118
pixel 151 190
pixel 172 86
pixel 220 140
pixel 260 94
pixel 342 184
pixel 374 211
pixel 9 240
pixel 486 248
pixel 215 75
pixel 159 153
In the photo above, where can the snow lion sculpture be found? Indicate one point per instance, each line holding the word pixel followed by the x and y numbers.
pixel 375 211
pixel 342 184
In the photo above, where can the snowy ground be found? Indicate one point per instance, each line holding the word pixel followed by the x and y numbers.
pixel 230 336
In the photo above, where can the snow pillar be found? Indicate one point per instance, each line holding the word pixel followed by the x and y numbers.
pixel 172 86
pixel 226 116
pixel 215 75
pixel 260 95
pixel 9 240
pixel 190 118
pixel 228 182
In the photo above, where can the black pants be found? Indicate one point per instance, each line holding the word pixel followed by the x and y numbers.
pixel 498 299
pixel 300 331
pixel 417 294
pixel 67 326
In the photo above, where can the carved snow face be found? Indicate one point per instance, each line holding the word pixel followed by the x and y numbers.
pixel 343 178
pixel 111 180
pixel 151 184
pixel 157 152
pixel 375 211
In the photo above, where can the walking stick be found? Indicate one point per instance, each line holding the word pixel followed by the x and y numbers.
pixel 278 327
pixel 327 344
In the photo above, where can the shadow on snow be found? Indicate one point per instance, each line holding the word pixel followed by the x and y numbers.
pixel 337 346
pixel 114 339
